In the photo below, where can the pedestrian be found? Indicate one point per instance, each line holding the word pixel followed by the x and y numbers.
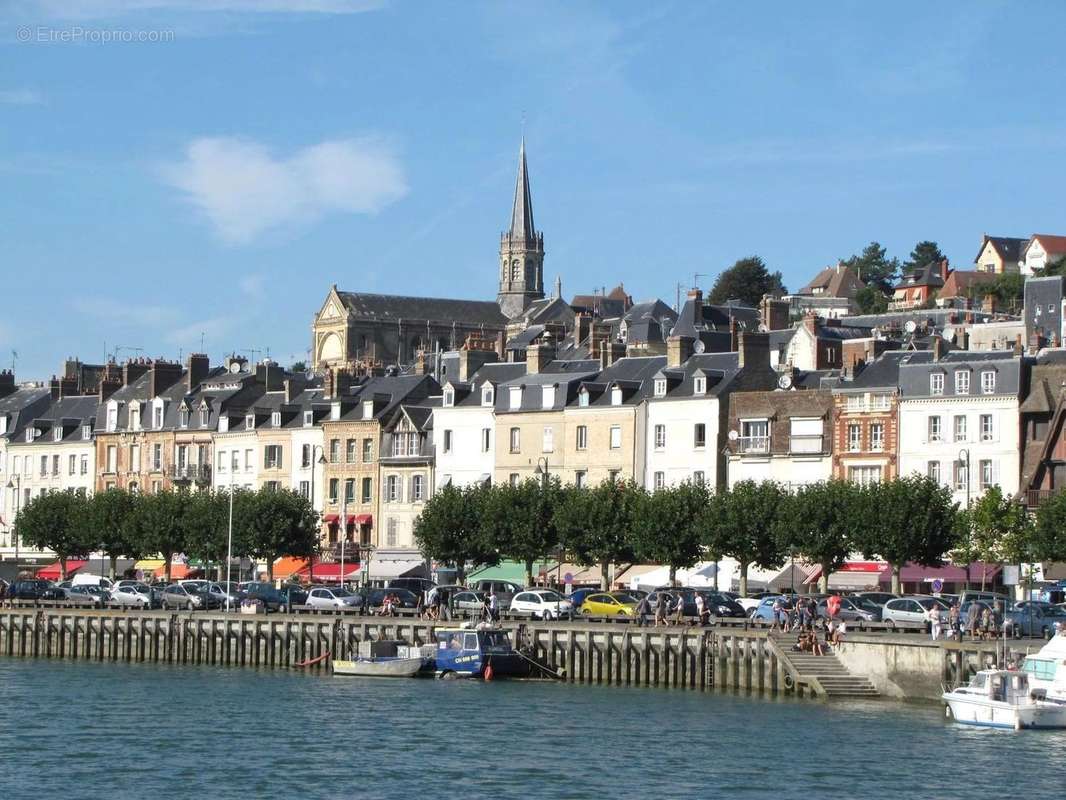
pixel 987 623
pixel 973 615
pixel 662 607
pixel 832 605
pixel 701 608
pixel 433 599
pixel 494 606
pixel 641 611
pixel 935 621
pixel 778 609
pixel 838 634
pixel 679 609
pixel 954 623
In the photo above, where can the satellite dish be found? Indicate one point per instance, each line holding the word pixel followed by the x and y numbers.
pixel 733 436
pixel 235 367
pixel 949 333
pixel 911 326
pixel 763 328
pixel 698 347
pixel 784 381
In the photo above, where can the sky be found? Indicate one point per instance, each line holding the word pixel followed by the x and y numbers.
pixel 182 175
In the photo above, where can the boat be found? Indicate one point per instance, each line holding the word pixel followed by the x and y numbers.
pixel 1047 667
pixel 999 698
pixel 379 667
pixel 483 651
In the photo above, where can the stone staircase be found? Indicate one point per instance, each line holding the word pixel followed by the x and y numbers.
pixel 826 670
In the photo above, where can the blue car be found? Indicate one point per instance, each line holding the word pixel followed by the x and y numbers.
pixel 765 610
pixel 577 597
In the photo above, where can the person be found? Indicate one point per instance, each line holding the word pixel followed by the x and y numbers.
pixel 641 611
pixel 661 608
pixel 838 634
pixel 999 620
pixel 701 609
pixel 816 644
pixel 679 609
pixel 973 615
pixel 779 612
pixel 804 612
pixel 934 621
pixel 494 606
pixel 954 624
pixel 987 625
pixel 486 609
pixel 832 605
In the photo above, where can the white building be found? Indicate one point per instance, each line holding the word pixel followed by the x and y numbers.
pixel 959 419
pixel 16 407
pixel 236 456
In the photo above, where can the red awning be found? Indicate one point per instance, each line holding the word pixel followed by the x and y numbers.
pixel 53 573
pixel 364 519
pixel 912 573
pixel 331 519
pixel 331 572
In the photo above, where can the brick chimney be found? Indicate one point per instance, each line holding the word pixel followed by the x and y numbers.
pixel 470 361
pixel 610 352
pixel 582 328
pixel 773 313
pixel 7 382
pixel 338 382
pixel 944 270
pixel 988 303
pixel 540 354
pixel 696 295
pixel 939 348
pixel 293 387
pixel 678 350
pixel 59 388
pixel 109 384
pixel 162 375
pixel 753 350
pixel 133 369
pixel 197 366
pixel 810 322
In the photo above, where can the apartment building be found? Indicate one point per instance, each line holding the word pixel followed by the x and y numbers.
pixel 17 407
pixel 866 405
pixel 406 471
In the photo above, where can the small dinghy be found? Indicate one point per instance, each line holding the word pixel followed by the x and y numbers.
pixel 379 667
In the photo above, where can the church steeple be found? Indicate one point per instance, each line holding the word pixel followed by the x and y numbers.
pixel 521 249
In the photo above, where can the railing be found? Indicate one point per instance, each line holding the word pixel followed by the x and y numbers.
pixel 809 443
pixel 1034 498
pixel 754 444
pixel 201 473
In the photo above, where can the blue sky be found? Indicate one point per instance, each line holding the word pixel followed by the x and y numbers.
pixel 216 183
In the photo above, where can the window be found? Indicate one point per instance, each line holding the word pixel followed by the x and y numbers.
pixel 368 450
pixel 55 465
pixel 962 381
pixel 249 459
pixel 447 441
pixel 305 489
pixel 864 476
pixel 547 397
pixel 84 466
pixel 183 417
pixel 660 387
pixel 309 419
pixel 418 488
pixel 658 480
pixel 755 436
pixel 616 437
pixel 580 477
pixel 513 478
pixel 881 402
pixel 699 435
pixel 334 486
pixel 986 428
pixel 272 456
pixel 699 385
pixel 614 475
pixel 698 477
pixel 516 440
pixel 449 398
pixel 112 417
pixel 305 456
pixel 987 474
pixel 349 490
pixel 275 419
pixel 44 465
pixel 877 437
pixel 932 470
pixel 57 434
pixel 936 383
pixel 334 450
pixel 582 437
pixel 960 480
pixel 368 409
pixel 616 396
pixel 583 398
pixel 392 489
pixel 960 428
pixel 86 432
pixel 514 397
pixel 135 417
pixel 854 438
pixel 660 437
pixel 988 382
pixel 249 422
pixel 805 435
pixel 157 457
pixel 548 444
pixel 135 458
pixel 486 440
pixel 157 416
pixel 222 461
pixel 349 451
pixel 390 532
pixel 205 417
pixel 366 490
pixel 934 429
pixel 486 395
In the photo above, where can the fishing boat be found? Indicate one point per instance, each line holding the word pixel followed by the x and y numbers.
pixel 484 651
pixel 999 698
pixel 379 667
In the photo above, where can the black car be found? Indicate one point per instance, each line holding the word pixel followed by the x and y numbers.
pixel 404 598
pixel 294 596
pixel 271 598
pixel 35 590
pixel 721 605
pixel 416 585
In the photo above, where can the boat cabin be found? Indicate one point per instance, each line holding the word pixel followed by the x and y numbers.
pixel 469 651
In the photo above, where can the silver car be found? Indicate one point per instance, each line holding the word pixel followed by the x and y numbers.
pixel 79 596
pixel 177 596
pixel 327 597
pixel 129 596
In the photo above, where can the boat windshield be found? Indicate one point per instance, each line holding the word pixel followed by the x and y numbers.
pixel 496 639
pixel 1039 668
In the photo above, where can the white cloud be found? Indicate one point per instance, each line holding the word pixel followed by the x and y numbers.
pixel 87 9
pixel 123 313
pixel 244 190
pixel 21 97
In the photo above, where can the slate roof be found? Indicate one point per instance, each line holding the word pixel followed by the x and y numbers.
pixel 522 209
pixel 838 281
pixel 633 374
pixel 384 307
pixel 881 373
pixel 718 368
pixel 696 318
pixel 22 405
pixel 1009 248
pixel 72 412
pixel 929 275
pixel 391 390
pixel 916 366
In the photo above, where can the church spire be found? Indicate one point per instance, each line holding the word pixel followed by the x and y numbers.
pixel 522 210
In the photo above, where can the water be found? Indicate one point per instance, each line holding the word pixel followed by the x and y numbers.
pixel 150 731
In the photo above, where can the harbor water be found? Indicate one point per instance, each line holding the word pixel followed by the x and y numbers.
pixel 149 731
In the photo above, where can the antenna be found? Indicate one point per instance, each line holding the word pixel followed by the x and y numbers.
pixel 121 347
pixel 14 358
pixel 201 341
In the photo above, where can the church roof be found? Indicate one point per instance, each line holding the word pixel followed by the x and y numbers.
pixel 396 307
pixel 522 210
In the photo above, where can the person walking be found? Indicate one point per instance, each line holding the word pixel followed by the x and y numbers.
pixel 955 622
pixel 641 611
pixel 779 613
pixel 661 608
pixel 494 606
pixel 701 609
pixel 679 609
pixel 935 621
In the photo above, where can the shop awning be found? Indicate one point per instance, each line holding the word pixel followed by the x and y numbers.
pixel 53 573
pixel 331 519
pixel 364 519
pixel 852 575
pixel 330 573
pixel 148 564
pixel 177 571
pixel 949 573
pixel 287 566
pixel 385 567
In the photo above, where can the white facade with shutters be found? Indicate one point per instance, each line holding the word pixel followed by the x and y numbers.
pixel 464 439
pixel 681 442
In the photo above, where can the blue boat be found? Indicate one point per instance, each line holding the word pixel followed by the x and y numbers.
pixel 468 652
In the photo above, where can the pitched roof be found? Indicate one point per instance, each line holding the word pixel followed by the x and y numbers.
pixel 522 208
pixel 929 275
pixel 1050 243
pixel 960 281
pixel 881 373
pixel 396 307
pixel 838 281
pixel 1009 248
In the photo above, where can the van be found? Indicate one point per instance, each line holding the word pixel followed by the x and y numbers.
pixel 991 598
pixel 92 580
pixel 504 590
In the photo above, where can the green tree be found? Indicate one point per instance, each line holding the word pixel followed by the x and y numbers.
pixel 520 520
pixel 110 521
pixel 670 529
pixel 996 529
pixel 159 523
pixel 206 520
pixel 910 519
pixel 596 525
pixel 1048 540
pixel 1008 288
pixel 819 524
pixel 875 268
pixel 748 523
pixel 747 281
pixel 56 521
pixel 449 529
pixel 275 523
pixel 871 300
pixel 925 252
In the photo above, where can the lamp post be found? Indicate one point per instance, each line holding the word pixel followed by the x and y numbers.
pixel 541 471
pixel 321 460
pixel 229 544
pixel 964 463
pixel 16 484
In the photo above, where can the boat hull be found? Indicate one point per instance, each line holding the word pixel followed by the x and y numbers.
pixel 379 668
pixel 991 714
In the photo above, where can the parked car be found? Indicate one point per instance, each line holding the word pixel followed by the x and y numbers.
pixel 177 596
pixel 752 600
pixel 542 604
pixel 880 598
pixel 334 598
pixel 404 598
pixel 914 608
pixel 467 600
pixel 614 604
pixel 102 595
pixel 85 579
pixel 271 598
pixel 764 612
pixel 223 595
pixel 688 599
pixel 720 604
pixel 851 610
pixel 505 590
pixel 987 597
pixel 77 595
pixel 415 585
pixel 1036 619
pixel 35 589
pixel 130 597
pixel 294 595
pixel 577 597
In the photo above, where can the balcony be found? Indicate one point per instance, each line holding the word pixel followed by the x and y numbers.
pixel 808 444
pixel 754 444
pixel 1034 498
pixel 190 473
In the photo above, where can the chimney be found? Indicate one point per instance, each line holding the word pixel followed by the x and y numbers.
pixel 610 352
pixel 270 374
pixel 109 384
pixel 988 303
pixel 162 375
pixel 962 338
pixel 582 328
pixel 132 370
pixel 197 365
pixel 754 350
pixel 421 366
pixel 7 382
pixel 944 269
pixel 338 382
pixel 810 322
pixel 470 361
pixel 501 345
pixel 773 313
pixel 678 350
pixel 734 334
pixel 54 388
pixel 293 387
pixel 696 295
pixel 939 348
pixel 540 354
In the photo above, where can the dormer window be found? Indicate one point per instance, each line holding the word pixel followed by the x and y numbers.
pixel 699 385
pixel 205 417
pixel 112 417
pixel 275 419
pixel 157 414
pixel 249 422
pixel 616 396
pixel 487 395
pixel 183 418
pixel 135 417
pixel 223 424
pixel 309 419
pixel 57 434
pixel 449 398
pixel 335 411
pixel 547 397
pixel 988 382
pixel 3 425
pixel 936 383
pixel 583 398
pixel 514 399
pixel 660 387
pixel 31 434
pixel 368 409
pixel 86 432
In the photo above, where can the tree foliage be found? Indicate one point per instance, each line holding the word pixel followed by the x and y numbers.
pixel 749 523
pixel 875 269
pixel 670 530
pixel 57 521
pixel 994 529
pixel 747 281
pixel 449 529
pixel 820 522
pixel 111 524
pixel 276 523
pixel 925 252
pixel 597 525
pixel 520 520
pixel 1048 540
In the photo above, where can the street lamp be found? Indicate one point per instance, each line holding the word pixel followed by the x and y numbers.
pixel 321 460
pixel 16 484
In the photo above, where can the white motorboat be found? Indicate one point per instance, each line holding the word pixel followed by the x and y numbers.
pixel 999 698
pixel 379 667
pixel 1047 668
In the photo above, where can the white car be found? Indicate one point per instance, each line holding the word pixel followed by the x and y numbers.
pixel 542 604
pixel 329 598
pixel 911 609
pixel 129 596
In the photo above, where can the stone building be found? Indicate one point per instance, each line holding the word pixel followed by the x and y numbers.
pixel 866 402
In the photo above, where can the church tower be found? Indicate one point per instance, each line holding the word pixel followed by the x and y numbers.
pixel 521 250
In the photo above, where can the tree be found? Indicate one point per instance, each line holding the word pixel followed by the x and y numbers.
pixel 871 300
pixel 996 529
pixel 819 524
pixel 747 523
pixel 1048 540
pixel 906 519
pixel 520 520
pixel 158 520
pixel 670 529
pixel 56 521
pixel 206 520
pixel 747 281
pixel 1008 288
pixel 875 269
pixel 449 529
pixel 275 523
pixel 596 525
pixel 110 521
pixel 925 252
